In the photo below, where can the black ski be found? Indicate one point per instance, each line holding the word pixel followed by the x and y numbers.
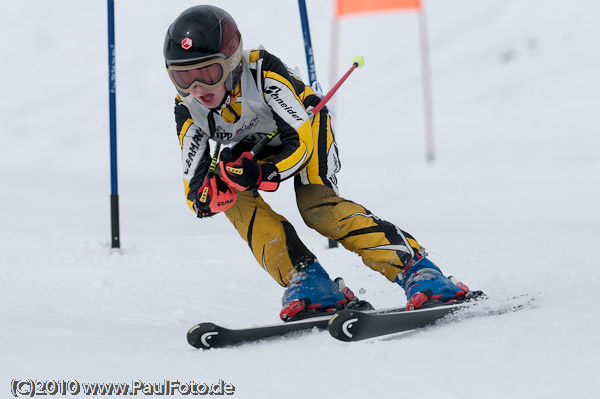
pixel 347 325
pixel 353 325
pixel 210 335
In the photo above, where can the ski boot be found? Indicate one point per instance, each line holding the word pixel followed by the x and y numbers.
pixel 312 293
pixel 425 285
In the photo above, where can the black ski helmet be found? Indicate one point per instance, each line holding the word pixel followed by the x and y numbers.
pixel 203 32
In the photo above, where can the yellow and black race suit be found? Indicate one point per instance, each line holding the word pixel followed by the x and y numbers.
pixel 270 97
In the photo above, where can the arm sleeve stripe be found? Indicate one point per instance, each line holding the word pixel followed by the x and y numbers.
pixel 184 130
pixel 295 161
pixel 289 171
pixel 186 187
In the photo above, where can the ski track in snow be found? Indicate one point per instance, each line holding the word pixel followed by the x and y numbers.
pixel 509 206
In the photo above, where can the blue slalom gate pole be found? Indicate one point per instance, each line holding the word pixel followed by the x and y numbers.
pixel 310 59
pixel 112 102
pixel 310 62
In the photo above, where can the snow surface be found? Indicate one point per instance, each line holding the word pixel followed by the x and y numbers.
pixel 510 204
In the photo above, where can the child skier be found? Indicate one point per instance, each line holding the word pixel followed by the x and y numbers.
pixel 236 97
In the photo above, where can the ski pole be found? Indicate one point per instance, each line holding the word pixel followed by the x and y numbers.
pixel 357 62
pixel 211 171
pixel 263 142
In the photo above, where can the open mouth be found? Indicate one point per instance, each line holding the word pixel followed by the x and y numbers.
pixel 207 98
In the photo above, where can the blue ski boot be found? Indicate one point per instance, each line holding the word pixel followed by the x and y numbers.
pixel 310 292
pixel 424 284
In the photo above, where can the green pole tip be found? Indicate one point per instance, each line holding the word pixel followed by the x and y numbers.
pixel 359 61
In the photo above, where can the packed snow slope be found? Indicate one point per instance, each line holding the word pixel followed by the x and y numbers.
pixel 510 204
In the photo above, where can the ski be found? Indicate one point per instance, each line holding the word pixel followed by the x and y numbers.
pixel 346 325
pixel 210 335
pixel 352 325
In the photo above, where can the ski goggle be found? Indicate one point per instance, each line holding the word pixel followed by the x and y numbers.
pixel 208 73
